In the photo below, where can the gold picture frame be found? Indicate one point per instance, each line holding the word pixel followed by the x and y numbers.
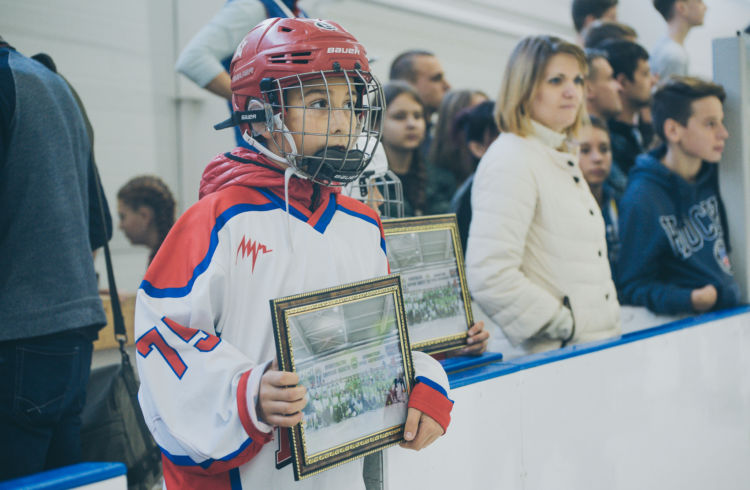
pixel 350 347
pixel 426 252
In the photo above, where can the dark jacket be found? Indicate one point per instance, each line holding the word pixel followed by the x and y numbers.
pixel 673 238
pixel 47 278
pixel 461 206
pixel 628 142
pixel 611 229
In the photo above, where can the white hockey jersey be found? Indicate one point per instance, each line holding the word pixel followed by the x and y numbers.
pixel 203 321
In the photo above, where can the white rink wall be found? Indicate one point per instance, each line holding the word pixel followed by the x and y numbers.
pixel 120 57
pixel 662 409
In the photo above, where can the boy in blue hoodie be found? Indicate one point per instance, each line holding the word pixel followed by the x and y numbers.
pixel 674 237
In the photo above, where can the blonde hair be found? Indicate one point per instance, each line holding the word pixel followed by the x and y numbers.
pixel 523 75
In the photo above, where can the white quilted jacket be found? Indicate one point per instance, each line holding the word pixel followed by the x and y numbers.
pixel 537 236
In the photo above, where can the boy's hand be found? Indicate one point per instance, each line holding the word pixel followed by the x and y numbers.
pixel 280 400
pixel 704 298
pixel 420 430
pixel 477 341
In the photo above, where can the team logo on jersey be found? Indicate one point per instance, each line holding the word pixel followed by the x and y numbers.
pixel 250 248
pixel 325 26
pixel 721 256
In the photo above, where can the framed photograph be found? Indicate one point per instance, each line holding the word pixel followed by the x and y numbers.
pixel 350 347
pixel 426 252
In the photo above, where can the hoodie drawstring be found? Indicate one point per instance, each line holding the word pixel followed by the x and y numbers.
pixel 288 175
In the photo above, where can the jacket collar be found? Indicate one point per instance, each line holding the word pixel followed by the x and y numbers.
pixel 547 136
pixel 244 167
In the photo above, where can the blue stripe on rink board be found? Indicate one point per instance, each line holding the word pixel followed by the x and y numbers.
pixel 462 363
pixel 72 476
pixel 495 370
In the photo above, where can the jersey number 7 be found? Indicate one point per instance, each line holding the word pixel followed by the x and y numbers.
pixel 153 340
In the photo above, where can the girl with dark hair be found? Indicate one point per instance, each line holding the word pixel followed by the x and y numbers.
pixel 448 160
pixel 403 130
pixel 595 160
pixel 147 211
pixel 475 128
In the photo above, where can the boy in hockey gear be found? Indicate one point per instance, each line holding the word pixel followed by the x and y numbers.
pixel 270 222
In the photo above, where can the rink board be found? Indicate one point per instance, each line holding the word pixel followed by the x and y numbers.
pixel 668 407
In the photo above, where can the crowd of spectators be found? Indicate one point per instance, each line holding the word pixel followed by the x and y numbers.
pixel 515 244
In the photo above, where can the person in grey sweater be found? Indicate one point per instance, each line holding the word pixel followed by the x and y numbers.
pixel 50 309
pixel 669 56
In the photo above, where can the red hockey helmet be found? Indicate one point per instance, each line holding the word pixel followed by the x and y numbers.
pixel 296 54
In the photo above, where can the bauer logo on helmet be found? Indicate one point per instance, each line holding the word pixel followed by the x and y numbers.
pixel 343 50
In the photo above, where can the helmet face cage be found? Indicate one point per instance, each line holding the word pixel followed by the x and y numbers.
pixel 382 191
pixel 343 155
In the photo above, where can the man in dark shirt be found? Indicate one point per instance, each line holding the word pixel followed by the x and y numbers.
pixel 631 134
pixel 50 309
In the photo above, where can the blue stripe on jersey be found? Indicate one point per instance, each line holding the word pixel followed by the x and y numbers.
pixel 182 460
pixel 280 204
pixel 322 223
pixel 234 479
pixel 327 215
pixel 433 385
pixel 221 220
pixel 364 217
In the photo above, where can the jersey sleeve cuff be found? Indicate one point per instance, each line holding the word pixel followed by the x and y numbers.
pixel 247 394
pixel 430 398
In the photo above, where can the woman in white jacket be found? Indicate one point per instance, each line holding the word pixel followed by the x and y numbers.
pixel 536 258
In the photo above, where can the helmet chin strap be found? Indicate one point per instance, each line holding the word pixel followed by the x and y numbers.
pixel 286 134
pixel 289 163
pixel 280 127
pixel 262 149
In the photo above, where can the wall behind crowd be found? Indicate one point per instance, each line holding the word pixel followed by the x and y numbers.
pixel 120 57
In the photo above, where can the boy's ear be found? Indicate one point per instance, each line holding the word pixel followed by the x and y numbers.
pixel 588 20
pixel 146 213
pixel 678 8
pixel 622 79
pixel 588 91
pixel 672 131
pixel 259 128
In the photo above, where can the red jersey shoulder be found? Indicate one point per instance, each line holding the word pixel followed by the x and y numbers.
pixel 358 207
pixel 189 241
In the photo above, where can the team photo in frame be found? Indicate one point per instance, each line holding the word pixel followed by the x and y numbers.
pixel 350 348
pixel 426 252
